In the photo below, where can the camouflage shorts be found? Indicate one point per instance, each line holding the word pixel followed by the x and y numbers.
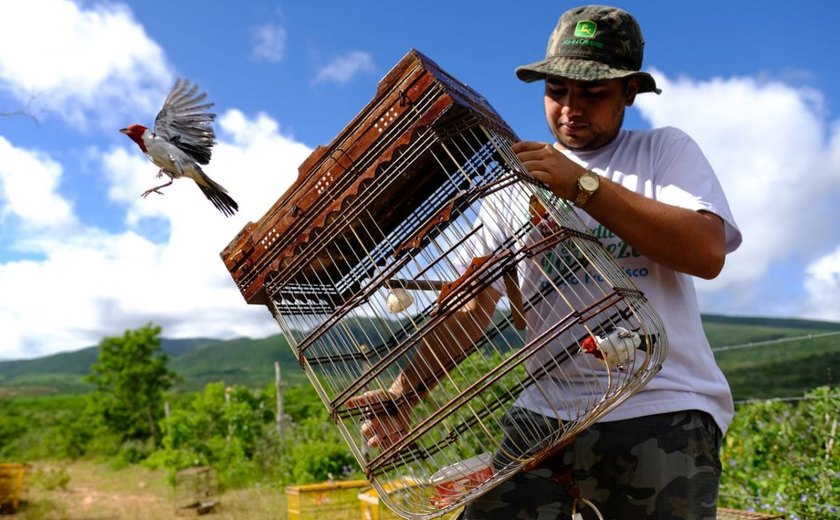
pixel 659 467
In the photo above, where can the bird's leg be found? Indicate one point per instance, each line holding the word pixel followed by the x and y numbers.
pixel 159 174
pixel 155 189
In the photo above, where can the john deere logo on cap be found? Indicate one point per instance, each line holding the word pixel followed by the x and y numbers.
pixel 586 29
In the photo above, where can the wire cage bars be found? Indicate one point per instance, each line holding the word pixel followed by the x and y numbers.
pixel 373 263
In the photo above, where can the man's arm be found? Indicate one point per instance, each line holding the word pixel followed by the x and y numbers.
pixel 684 240
pixel 446 346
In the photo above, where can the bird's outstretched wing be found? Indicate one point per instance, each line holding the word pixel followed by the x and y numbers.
pixel 185 121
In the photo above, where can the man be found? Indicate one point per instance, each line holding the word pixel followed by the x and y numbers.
pixel 656 455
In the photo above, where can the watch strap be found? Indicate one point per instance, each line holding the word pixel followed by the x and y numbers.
pixel 583 194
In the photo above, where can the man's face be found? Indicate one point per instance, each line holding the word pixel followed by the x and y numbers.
pixel 586 115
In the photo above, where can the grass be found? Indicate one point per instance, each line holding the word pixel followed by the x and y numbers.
pixel 93 491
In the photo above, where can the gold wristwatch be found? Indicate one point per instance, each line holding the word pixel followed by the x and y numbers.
pixel 588 184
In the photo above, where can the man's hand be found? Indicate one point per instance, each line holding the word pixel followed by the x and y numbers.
pixel 385 422
pixel 387 413
pixel 549 166
pixel 682 239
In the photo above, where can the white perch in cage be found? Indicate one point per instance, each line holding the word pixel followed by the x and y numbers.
pixel 398 300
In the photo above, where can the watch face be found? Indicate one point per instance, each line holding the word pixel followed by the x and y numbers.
pixel 588 182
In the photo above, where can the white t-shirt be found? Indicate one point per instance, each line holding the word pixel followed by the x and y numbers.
pixel 666 165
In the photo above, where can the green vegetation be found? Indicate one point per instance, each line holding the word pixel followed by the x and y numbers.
pixel 38 427
pixel 782 456
pixel 233 429
pixel 131 376
pixel 107 404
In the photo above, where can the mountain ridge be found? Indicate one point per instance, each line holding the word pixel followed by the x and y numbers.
pixel 250 362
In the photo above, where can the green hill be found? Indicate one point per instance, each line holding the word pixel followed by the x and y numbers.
pixel 761 357
pixel 199 361
pixel 62 373
pixel 243 361
pixel 764 358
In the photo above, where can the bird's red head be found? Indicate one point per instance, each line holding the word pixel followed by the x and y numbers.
pixel 135 132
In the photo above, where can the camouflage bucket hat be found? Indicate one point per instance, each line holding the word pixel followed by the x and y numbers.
pixel 593 43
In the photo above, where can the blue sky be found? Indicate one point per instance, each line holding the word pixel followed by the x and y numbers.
pixel 83 257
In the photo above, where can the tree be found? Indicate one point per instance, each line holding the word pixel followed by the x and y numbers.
pixel 223 427
pixel 131 377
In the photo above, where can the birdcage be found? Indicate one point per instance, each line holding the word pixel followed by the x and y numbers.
pixel 196 491
pixel 416 247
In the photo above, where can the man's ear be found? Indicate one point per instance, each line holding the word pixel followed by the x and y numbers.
pixel 631 88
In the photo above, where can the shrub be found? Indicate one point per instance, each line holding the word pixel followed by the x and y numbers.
pixel 783 456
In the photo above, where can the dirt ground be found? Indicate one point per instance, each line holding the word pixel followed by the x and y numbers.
pixel 91 491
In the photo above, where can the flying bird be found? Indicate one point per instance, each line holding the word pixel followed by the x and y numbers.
pixel 182 141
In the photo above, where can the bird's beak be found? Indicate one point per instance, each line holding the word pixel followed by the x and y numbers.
pixel 124 130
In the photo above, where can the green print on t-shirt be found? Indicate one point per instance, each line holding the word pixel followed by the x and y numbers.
pixel 555 261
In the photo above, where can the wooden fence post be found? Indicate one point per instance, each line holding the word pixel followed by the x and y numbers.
pixel 278 384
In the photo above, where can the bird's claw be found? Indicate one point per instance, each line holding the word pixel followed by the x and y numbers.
pixel 149 191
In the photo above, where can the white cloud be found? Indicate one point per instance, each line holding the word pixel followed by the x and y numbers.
pixel 823 287
pixel 259 160
pixel 823 274
pixel 776 157
pixel 29 190
pixel 70 299
pixel 80 62
pixel 269 43
pixel 344 68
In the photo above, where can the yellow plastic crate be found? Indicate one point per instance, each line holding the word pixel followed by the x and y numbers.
pixel 328 500
pixel 373 510
pixel 11 485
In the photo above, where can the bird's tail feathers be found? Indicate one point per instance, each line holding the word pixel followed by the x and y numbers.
pixel 218 196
